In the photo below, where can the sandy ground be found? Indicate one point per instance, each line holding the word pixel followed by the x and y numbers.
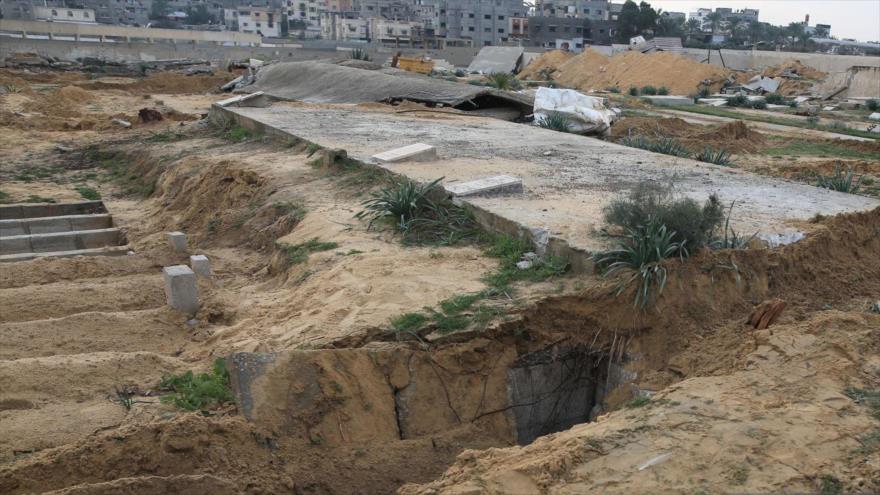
pixel 732 409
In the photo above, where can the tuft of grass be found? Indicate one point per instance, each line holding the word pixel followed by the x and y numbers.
pixel 165 137
pixel 663 90
pixel 638 402
pixel 89 193
pixel 830 485
pixel 408 322
pixel 555 121
pixel 240 133
pixel 667 146
pixel 704 92
pixel 739 101
pixel 509 251
pixel 872 105
pixel 759 105
pixel 719 157
pixel 5 198
pixel 299 253
pixel 360 54
pixel 642 252
pixel 869 398
pixel 649 90
pixel 840 181
pixel 401 203
pixel 33 198
pixel 633 91
pixel 613 89
pixel 198 392
pixel 797 147
pixel 459 303
pixel 312 148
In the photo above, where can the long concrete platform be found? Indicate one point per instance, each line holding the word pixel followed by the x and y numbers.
pixel 567 179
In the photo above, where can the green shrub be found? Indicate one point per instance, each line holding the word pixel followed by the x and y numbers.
pixel 408 322
pixel 759 105
pixel 739 101
pixel 555 121
pixel 872 105
pixel 718 157
pixel 663 90
pixel 775 99
pixel 460 73
pixel 692 224
pixel 649 90
pixel 509 251
pixel 841 181
pixel 667 146
pixel 704 92
pixel 400 202
pixel 613 89
pixel 633 91
pixel 642 252
pixel 198 392
pixel 730 239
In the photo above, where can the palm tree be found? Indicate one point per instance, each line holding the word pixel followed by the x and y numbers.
pixel 715 19
pixel 694 25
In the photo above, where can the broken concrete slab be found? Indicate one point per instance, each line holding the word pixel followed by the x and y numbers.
pixel 257 99
pixel 499 184
pixel 763 84
pixel 60 241
pixel 181 290
pixel 669 100
pixel 200 265
pixel 100 251
pixel 492 59
pixel 37 210
pixel 418 152
pixel 122 123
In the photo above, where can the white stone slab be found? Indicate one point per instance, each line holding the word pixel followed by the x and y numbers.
pixel 669 100
pixel 415 152
pixel 181 290
pixel 256 99
pixel 177 240
pixel 490 185
pixel 201 265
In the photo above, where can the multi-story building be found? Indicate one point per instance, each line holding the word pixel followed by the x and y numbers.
pixel 553 32
pixel 63 14
pixel 347 26
pixel 476 22
pixel 725 16
pixel 597 10
pixel 265 21
pixel 385 9
pixel 130 12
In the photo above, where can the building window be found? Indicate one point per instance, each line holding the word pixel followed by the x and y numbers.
pixel 471 28
pixel 551 29
pixel 69 13
pixel 471 15
pixel 86 14
pixel 487 30
pixel 500 17
pixel 54 12
pixel 487 17
pixel 501 30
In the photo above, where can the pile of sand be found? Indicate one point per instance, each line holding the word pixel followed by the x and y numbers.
pixel 593 71
pixel 543 67
pixel 735 137
pixel 796 67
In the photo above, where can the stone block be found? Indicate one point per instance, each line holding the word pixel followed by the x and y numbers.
pixel 415 152
pixel 490 185
pixel 177 241
pixel 200 264
pixel 181 290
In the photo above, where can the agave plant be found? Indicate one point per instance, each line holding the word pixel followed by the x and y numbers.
pixel 403 202
pixel 555 121
pixel 642 252
pixel 730 238
pixel 841 181
pixel 719 157
pixel 503 81
pixel 667 146
pixel 360 54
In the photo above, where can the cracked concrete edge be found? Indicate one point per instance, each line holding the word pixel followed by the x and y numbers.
pixel 544 242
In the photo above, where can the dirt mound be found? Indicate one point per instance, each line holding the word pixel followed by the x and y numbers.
pixel 736 137
pixel 155 485
pixel 794 67
pixel 544 66
pixel 592 70
pixel 163 83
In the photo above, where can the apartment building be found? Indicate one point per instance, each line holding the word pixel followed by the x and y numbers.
pixel 62 14
pixel 348 26
pixel 726 16
pixel 597 10
pixel 127 12
pixel 477 22
pixel 265 21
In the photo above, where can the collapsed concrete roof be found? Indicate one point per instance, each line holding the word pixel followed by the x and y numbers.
pixel 316 82
pixel 492 59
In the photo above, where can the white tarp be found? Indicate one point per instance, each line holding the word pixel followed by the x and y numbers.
pixel 587 114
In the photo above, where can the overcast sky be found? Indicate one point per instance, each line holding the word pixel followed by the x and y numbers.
pixel 859 19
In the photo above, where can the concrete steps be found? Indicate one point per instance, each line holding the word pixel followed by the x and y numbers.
pixel 49 230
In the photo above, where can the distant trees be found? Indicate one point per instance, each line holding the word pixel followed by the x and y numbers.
pixel 198 15
pixel 635 20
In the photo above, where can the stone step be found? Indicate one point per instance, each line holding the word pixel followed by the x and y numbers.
pixel 414 152
pixel 101 251
pixel 37 210
pixel 50 225
pixel 61 241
